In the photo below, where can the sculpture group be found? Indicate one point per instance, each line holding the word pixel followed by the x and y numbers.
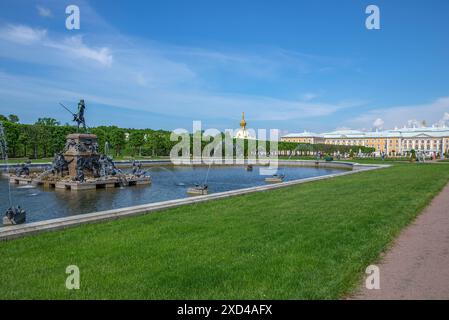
pixel 101 167
pixel 24 169
pixel 80 165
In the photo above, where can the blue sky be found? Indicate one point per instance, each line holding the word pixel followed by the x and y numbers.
pixel 292 65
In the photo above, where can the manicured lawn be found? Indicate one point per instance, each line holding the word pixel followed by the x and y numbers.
pixel 307 241
pixel 22 160
pixel 377 160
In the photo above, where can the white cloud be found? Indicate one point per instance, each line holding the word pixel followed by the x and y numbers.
pixel 194 105
pixel 401 115
pixel 378 123
pixel 444 121
pixel 71 47
pixel 22 34
pixel 43 12
pixel 413 123
pixel 77 48
pixel 147 76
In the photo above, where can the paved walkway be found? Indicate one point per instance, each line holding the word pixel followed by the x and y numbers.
pixel 417 266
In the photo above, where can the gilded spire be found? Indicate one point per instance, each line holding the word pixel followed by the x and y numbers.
pixel 243 122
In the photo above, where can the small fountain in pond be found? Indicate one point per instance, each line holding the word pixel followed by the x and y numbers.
pixel 199 189
pixel 275 178
pixel 13 215
pixel 81 167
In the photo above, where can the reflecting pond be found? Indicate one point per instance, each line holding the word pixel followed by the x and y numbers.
pixel 168 182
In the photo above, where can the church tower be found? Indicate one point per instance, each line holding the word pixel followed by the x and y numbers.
pixel 242 133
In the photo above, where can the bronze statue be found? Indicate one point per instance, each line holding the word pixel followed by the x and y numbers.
pixel 93 165
pixel 80 165
pixel 24 169
pixel 78 117
pixel 69 144
pixel 137 169
pixel 60 164
pixel 14 215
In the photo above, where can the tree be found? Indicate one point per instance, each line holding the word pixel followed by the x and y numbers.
pixel 100 132
pixel 150 142
pixel 47 122
pixel 12 133
pixel 3 118
pixel 412 155
pixel 13 118
pixel 136 140
pixel 117 138
pixel 24 139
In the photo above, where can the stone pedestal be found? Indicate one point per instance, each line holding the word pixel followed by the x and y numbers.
pixel 80 145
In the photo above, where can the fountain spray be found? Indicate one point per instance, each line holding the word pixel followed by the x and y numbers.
pixel 4 150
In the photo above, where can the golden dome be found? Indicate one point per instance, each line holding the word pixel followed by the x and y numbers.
pixel 243 122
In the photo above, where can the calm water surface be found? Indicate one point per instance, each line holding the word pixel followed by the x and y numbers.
pixel 168 183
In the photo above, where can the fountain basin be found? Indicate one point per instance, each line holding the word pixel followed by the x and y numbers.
pixel 168 182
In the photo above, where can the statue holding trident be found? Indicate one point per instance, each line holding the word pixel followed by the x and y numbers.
pixel 79 116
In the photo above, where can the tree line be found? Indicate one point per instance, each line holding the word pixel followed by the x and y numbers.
pixel 47 136
pixel 308 149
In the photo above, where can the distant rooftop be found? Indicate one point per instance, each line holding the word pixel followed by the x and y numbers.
pixel 304 134
pixel 402 132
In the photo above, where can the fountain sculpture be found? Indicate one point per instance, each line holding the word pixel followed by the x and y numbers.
pixel 80 166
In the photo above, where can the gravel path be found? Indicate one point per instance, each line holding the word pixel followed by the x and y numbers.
pixel 417 266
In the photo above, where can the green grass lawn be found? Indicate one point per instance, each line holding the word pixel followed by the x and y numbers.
pixel 22 160
pixel 307 241
pixel 377 160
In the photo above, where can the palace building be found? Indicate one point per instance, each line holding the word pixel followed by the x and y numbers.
pixel 395 142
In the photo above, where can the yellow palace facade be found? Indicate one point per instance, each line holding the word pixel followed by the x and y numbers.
pixel 431 140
